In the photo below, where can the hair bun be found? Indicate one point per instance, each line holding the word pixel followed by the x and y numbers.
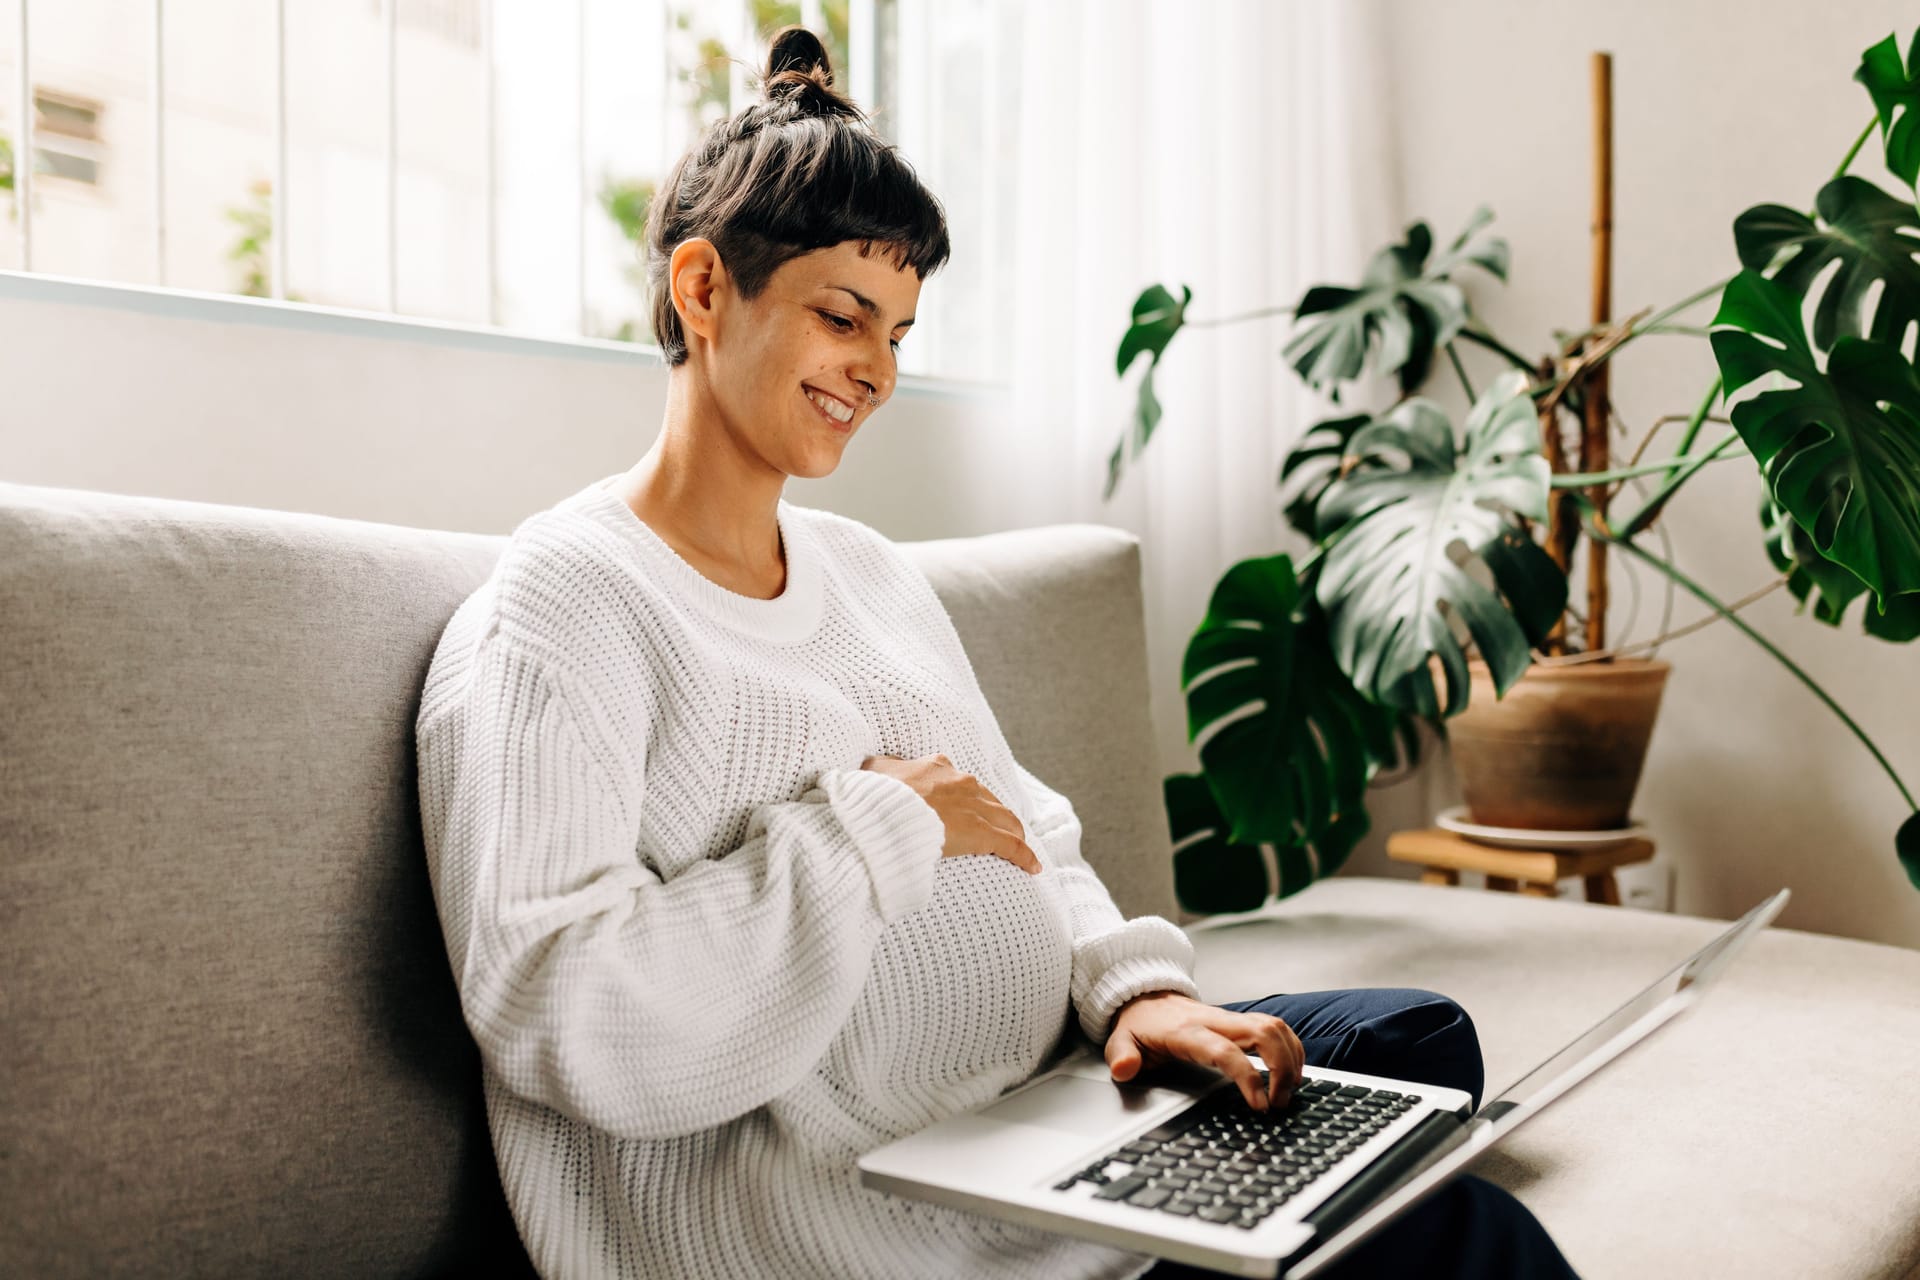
pixel 795 48
pixel 799 72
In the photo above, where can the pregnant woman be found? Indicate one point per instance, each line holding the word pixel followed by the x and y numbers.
pixel 737 874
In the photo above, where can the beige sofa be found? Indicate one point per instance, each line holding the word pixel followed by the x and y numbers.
pixel 229 1043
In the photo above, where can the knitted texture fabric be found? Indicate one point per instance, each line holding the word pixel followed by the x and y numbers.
pixel 707 959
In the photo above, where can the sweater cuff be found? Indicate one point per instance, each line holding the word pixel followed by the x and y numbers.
pixel 1145 954
pixel 897 833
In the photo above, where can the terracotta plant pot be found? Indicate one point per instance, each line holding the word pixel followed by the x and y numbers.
pixel 1563 750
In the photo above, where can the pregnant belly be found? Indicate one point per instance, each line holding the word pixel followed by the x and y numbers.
pixel 964 997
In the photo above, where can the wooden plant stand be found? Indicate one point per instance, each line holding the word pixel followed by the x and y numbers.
pixel 1534 873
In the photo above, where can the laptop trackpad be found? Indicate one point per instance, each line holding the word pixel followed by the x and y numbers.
pixel 1075 1104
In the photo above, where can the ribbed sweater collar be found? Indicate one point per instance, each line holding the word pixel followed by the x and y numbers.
pixel 788 618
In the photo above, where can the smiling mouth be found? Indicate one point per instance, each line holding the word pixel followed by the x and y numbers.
pixel 815 399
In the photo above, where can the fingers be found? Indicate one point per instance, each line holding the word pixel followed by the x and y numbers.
pixel 1279 1048
pixel 1006 835
pixel 1016 851
pixel 1205 1045
pixel 966 804
pixel 1123 1056
pixel 1299 1054
pixel 999 843
pixel 1016 831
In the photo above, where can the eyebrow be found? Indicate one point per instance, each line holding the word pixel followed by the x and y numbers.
pixel 868 305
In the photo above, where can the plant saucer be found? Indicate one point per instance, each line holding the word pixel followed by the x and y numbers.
pixel 1455 820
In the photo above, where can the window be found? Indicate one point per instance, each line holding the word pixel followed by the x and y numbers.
pixel 504 176
pixel 66 137
pixel 457 22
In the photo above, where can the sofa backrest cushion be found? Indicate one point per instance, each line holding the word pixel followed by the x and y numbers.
pixel 229 1040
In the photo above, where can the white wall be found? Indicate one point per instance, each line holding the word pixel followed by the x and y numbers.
pixel 238 400
pixel 1718 105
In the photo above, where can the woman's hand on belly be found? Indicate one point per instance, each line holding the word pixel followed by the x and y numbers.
pixel 975 820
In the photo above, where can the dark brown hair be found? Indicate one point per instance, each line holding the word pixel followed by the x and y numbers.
pixel 800 170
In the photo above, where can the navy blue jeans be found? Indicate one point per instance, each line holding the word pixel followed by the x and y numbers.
pixel 1468 1228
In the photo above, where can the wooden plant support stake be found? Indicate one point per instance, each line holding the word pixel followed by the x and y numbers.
pixel 1560 516
pixel 1593 436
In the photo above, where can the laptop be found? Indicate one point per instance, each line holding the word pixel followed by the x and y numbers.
pixel 1174 1163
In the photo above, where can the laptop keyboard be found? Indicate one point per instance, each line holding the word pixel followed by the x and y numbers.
pixel 1221 1161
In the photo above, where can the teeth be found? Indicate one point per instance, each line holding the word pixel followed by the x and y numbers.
pixel 835 410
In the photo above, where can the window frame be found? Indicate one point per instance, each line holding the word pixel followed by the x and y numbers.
pixel 878 24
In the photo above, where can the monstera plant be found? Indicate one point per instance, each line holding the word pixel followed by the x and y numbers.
pixel 1431 546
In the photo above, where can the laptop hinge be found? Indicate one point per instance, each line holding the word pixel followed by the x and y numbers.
pixel 1398 1164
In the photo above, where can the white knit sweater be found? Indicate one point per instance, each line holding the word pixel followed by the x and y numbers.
pixel 709 960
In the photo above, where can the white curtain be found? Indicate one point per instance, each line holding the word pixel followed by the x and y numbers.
pixel 1244 149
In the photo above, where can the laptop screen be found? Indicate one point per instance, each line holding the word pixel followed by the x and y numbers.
pixel 1619 1030
pixel 1545 1080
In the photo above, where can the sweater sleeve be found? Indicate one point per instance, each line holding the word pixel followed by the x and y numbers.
pixel 644 1007
pixel 1114 958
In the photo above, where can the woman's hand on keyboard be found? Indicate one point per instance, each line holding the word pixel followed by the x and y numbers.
pixel 975 819
pixel 1152 1028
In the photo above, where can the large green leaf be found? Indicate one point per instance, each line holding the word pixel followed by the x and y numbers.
pixel 1312 465
pixel 1841 449
pixel 1870 234
pixel 1894 87
pixel 1906 841
pixel 1157 316
pixel 1210 873
pixel 1832 587
pixel 1400 577
pixel 1292 745
pixel 1404 305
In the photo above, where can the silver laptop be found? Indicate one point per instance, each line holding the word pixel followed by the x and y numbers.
pixel 1175 1164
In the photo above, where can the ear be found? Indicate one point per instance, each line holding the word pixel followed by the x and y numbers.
pixel 695 279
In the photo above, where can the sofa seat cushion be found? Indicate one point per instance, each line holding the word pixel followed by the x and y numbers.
pixel 1772 1130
